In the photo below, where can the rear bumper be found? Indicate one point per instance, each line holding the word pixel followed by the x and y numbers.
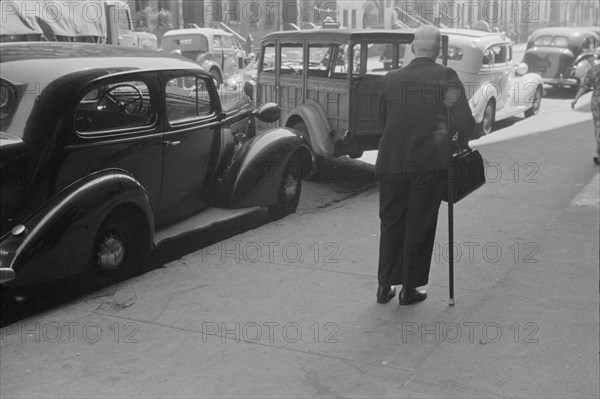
pixel 560 81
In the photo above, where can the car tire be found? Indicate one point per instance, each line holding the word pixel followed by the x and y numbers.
pixel 537 101
pixel 486 126
pixel 288 192
pixel 319 160
pixel 118 248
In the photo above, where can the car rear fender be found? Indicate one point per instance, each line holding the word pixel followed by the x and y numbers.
pixel 320 132
pixel 581 65
pixel 56 241
pixel 255 172
pixel 527 85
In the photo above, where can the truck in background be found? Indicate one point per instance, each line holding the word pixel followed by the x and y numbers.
pixel 88 21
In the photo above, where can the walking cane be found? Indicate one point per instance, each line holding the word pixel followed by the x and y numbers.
pixel 450 199
pixel 450 97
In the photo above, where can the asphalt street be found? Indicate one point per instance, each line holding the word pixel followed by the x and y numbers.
pixel 287 308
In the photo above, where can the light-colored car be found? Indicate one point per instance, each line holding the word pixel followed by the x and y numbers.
pixel 217 51
pixel 498 85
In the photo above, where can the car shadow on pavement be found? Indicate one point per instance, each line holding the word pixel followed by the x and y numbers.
pixel 560 93
pixel 344 178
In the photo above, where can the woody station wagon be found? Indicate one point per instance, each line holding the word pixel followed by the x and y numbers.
pixel 327 83
pixel 107 152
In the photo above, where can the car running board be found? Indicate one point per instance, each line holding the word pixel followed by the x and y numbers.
pixel 203 220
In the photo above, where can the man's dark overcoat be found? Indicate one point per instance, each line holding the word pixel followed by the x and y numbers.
pixel 411 160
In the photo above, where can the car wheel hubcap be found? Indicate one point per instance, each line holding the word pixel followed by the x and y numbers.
pixel 487 119
pixel 111 253
pixel 536 101
pixel 290 187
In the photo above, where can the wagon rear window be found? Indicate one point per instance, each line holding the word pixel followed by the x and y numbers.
pixel 106 107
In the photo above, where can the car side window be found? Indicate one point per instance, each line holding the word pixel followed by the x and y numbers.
pixel 319 60
pixel 217 42
pixel 268 59
pixel 187 98
pixel 340 61
pixel 588 44
pixel 488 57
pixel 292 59
pixel 110 106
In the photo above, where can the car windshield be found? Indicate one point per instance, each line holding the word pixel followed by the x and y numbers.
pixel 7 101
pixel 12 121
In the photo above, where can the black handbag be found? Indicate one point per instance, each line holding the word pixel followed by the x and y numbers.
pixel 466 171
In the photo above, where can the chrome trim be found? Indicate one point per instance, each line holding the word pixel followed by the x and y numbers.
pixel 6 275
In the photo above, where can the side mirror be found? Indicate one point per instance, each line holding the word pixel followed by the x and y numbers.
pixel 269 113
pixel 522 68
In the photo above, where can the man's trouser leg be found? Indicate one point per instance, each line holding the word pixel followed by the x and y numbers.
pixel 392 213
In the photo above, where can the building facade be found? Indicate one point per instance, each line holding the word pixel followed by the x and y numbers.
pixel 255 18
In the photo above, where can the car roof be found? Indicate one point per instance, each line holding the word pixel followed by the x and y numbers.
pixel 197 31
pixel 564 31
pixel 474 38
pixel 337 34
pixel 45 62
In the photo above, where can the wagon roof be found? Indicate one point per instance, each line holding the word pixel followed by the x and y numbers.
pixel 339 34
pixel 474 38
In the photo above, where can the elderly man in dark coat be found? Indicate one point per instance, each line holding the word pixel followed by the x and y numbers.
pixel 413 155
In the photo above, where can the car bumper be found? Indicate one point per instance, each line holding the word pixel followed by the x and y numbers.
pixel 562 81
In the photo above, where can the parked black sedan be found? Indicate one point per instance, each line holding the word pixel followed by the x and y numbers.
pixel 106 152
pixel 560 55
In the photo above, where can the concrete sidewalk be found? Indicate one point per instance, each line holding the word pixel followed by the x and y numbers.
pixel 288 309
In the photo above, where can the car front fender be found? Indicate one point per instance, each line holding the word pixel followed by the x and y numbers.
pixel 56 241
pixel 484 94
pixel 210 64
pixel 256 170
pixel 320 132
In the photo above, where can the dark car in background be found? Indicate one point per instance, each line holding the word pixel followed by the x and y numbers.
pixel 561 56
pixel 107 152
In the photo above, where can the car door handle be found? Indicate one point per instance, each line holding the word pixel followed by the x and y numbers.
pixel 172 143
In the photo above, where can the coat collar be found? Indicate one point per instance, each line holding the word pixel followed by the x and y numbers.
pixel 422 60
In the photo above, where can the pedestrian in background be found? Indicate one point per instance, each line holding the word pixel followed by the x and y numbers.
pixel 592 82
pixel 413 154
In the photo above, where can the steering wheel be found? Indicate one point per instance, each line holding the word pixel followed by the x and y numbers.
pixel 296 71
pixel 125 97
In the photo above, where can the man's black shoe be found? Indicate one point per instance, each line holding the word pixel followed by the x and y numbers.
pixel 385 294
pixel 409 296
